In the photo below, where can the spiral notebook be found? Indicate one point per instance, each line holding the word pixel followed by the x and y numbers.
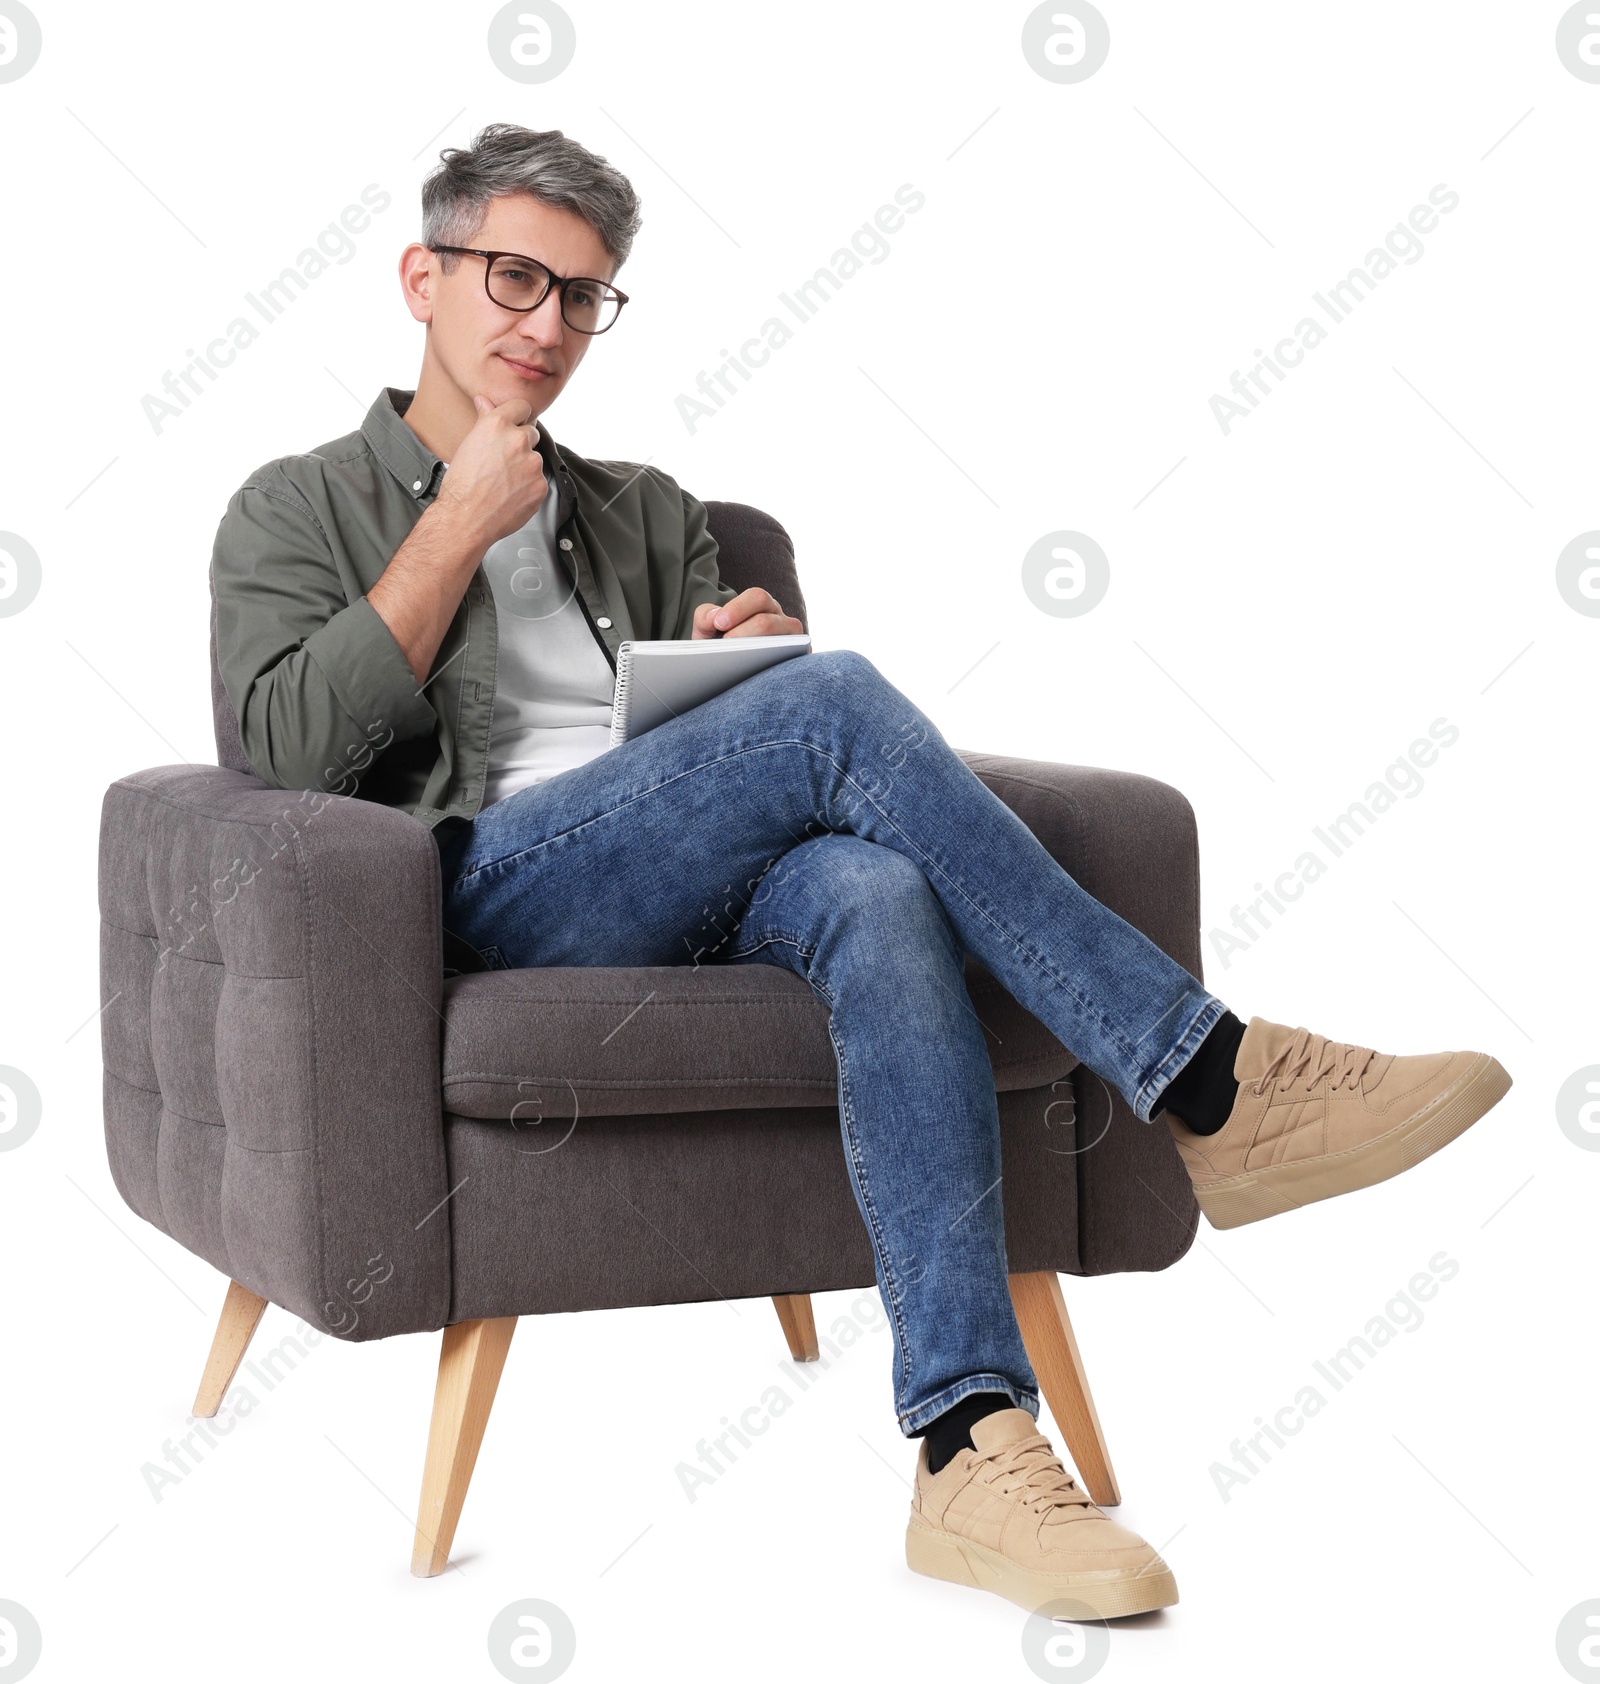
pixel 659 679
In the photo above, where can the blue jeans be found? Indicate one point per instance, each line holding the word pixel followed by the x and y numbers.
pixel 813 817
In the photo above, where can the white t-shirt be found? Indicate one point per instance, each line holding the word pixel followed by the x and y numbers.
pixel 553 683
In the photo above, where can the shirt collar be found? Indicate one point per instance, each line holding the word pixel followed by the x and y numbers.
pixel 417 468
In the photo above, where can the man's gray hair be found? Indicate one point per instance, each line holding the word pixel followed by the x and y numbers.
pixel 503 159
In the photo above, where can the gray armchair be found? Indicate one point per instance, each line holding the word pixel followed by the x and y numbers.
pixel 299 1090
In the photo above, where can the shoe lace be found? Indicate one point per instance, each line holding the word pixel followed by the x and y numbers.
pixel 1315 1058
pixel 1031 1471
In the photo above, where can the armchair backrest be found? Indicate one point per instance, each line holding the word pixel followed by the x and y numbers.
pixel 752 549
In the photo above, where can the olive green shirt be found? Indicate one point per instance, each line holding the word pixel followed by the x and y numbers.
pixel 324 695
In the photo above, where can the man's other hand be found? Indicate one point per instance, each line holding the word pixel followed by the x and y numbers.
pixel 752 613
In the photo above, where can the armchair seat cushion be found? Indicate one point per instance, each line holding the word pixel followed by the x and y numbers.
pixel 568 1042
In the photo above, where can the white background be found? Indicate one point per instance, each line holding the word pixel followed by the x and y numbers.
pixel 1372 549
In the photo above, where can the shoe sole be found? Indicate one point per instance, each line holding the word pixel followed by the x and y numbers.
pixel 1280 1187
pixel 1102 1596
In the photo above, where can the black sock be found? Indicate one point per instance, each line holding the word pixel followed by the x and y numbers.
pixel 1203 1091
pixel 947 1433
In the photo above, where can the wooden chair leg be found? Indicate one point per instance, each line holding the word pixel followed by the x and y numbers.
pixel 470 1360
pixel 1053 1351
pixel 241 1310
pixel 799 1325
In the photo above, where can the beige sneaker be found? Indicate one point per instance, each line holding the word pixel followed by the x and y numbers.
pixel 1316 1117
pixel 1007 1517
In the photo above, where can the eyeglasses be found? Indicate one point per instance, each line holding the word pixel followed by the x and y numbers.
pixel 515 282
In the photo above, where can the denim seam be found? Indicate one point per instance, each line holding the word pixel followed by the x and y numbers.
pixel 913 1420
pixel 776 938
pixel 639 795
pixel 1152 1087
pixel 980 910
pixel 868 1206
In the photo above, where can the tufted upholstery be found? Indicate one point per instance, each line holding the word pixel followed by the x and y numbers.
pixel 271 1045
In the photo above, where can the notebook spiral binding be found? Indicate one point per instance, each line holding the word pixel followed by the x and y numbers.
pixel 620 702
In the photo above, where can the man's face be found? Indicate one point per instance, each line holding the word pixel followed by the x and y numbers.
pixel 502 353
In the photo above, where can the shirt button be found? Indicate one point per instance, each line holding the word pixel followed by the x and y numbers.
pixel 603 623
pixel 566 543
pixel 416 485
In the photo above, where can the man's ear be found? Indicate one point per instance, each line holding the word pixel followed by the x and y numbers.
pixel 415 277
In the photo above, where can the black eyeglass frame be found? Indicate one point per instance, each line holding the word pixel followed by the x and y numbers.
pixel 551 279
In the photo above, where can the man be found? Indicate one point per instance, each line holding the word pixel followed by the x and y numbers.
pixel 450 584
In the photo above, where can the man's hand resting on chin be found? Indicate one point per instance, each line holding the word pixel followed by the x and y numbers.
pixel 752 613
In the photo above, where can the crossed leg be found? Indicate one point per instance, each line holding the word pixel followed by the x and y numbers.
pixel 917 1108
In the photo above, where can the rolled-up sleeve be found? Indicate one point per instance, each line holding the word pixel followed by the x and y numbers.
pixel 317 680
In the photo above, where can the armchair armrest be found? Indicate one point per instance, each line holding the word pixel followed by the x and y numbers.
pixel 1132 842
pixel 271 962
